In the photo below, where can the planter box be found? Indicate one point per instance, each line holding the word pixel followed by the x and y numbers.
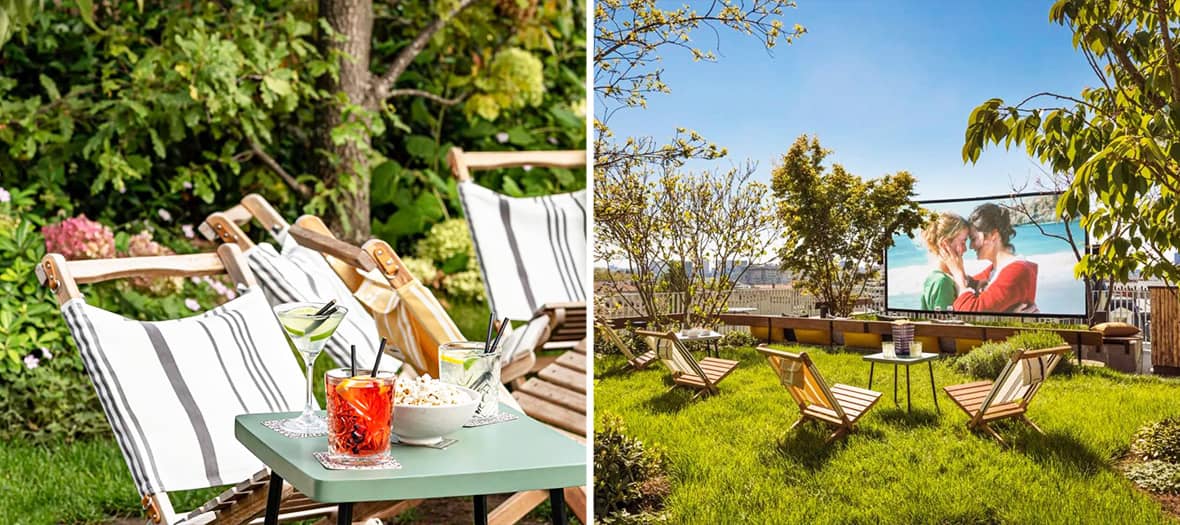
pixel 856 340
pixel 963 346
pixel 929 343
pixel 1124 354
pixel 813 337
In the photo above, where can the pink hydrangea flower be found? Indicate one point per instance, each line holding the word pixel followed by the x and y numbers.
pixel 188 230
pixel 5 196
pixel 164 214
pixel 45 354
pixel 192 304
pixel 502 137
pixel 187 185
pixel 79 238
pixel 32 362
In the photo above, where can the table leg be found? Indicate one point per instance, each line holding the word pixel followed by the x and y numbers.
pixel 933 391
pixel 907 389
pixel 344 514
pixel 557 503
pixel 872 365
pixel 481 509
pixel 895 384
pixel 274 495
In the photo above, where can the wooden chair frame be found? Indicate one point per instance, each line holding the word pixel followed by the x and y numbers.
pixel 702 376
pixel 375 254
pixel 633 361
pixel 976 398
pixel 840 406
pixel 247 500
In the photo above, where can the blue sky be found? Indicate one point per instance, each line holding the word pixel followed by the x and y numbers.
pixel 887 85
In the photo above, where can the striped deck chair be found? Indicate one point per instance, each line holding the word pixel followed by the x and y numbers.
pixel 701 376
pixel 637 362
pixel 171 389
pixel 298 273
pixel 531 251
pixel 840 406
pixel 1010 394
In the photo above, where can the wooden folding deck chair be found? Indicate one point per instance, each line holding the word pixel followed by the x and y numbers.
pixel 148 375
pixel 1010 394
pixel 637 362
pixel 701 376
pixel 840 406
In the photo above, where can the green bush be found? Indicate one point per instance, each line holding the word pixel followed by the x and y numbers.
pixel 989 359
pixel 1159 440
pixel 1156 476
pixel 630 480
pixel 739 340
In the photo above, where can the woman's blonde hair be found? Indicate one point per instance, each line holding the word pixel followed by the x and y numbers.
pixel 945 225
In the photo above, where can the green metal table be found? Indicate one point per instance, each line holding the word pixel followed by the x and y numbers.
pixel 906 361
pixel 505 457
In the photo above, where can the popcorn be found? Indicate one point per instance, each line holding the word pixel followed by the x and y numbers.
pixel 427 391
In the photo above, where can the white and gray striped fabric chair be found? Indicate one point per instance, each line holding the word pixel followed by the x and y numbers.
pixel 1010 394
pixel 299 274
pixel 172 389
pixel 531 251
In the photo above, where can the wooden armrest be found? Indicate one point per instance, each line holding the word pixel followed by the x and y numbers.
pixel 332 246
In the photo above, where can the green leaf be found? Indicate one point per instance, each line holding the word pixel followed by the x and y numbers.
pixel 456 263
pixel 421 146
pixel 50 87
pixel 521 137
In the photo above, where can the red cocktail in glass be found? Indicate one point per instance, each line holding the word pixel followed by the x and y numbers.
pixel 360 412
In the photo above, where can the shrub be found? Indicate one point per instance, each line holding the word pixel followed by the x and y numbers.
pixel 1156 476
pixel 739 340
pixel 630 480
pixel 989 359
pixel 1158 441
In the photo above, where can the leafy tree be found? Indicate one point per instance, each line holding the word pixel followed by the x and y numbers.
pixel 160 106
pixel 693 234
pixel 837 226
pixel 1120 139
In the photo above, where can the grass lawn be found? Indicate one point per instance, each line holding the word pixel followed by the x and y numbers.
pixel 732 458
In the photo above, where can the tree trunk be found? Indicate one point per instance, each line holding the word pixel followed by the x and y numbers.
pixel 344 167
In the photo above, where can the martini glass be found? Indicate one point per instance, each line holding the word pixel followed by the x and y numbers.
pixel 309 333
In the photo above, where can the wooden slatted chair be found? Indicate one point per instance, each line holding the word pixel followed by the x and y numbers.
pixel 702 376
pixel 637 362
pixel 840 406
pixel 146 376
pixel 1010 394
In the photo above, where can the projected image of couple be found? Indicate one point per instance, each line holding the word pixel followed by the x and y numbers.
pixel 1008 283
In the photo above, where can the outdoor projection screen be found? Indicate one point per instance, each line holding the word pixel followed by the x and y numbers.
pixel 1035 274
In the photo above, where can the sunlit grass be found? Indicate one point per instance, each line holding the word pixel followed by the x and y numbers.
pixel 732 458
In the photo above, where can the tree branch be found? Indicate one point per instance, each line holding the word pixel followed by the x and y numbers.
pixel 425 94
pixel 381 90
pixel 1161 13
pixel 274 166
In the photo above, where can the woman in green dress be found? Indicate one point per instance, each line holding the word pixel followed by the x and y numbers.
pixel 946 233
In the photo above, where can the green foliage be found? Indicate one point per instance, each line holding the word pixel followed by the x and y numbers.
pixel 739 340
pixel 836 225
pixel 1118 140
pixel 14 15
pixel 989 359
pixel 1159 440
pixel 629 479
pixel 514 80
pixel 1160 477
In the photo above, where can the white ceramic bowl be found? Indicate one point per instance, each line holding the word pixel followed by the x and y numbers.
pixel 426 425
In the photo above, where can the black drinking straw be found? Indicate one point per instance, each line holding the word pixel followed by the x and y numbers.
pixel 503 328
pixel 328 308
pixel 488 338
pixel 352 354
pixel 380 350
